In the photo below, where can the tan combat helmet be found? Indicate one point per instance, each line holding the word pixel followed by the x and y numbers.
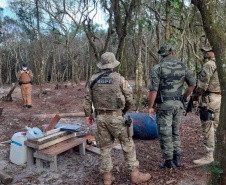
pixel 108 61
pixel 166 49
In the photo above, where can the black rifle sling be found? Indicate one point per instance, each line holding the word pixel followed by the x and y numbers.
pixel 99 77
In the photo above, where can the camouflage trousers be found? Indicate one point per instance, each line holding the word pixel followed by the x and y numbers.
pixel 168 117
pixel 109 128
pixel 209 127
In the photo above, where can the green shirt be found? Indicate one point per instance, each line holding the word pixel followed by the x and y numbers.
pixel 169 75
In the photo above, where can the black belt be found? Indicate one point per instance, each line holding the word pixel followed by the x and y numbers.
pixel 26 83
pixel 172 98
pixel 109 112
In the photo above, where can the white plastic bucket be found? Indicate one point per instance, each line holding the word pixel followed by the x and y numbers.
pixel 18 151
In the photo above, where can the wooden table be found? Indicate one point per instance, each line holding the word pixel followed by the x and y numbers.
pixel 47 148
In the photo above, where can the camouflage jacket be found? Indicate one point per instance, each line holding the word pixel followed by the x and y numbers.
pixel 109 93
pixel 169 75
pixel 208 79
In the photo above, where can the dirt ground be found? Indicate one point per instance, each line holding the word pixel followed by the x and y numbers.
pixel 74 169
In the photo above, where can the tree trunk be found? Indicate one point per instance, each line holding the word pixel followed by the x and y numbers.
pixel 124 61
pixel 189 58
pixel 90 63
pixel 121 23
pixel 42 67
pixel 53 74
pixel 8 97
pixel 139 62
pixel 1 57
pixel 216 36
pixel 146 67
pixel 77 81
pixel 167 30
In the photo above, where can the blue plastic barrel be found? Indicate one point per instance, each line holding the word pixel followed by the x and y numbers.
pixel 144 127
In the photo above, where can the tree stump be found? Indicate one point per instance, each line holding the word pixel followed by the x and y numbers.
pixel 8 97
pixel 57 86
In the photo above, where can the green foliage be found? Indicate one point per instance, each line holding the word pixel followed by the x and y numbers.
pixel 176 5
pixel 198 69
pixel 144 102
pixel 40 127
pixel 213 167
pixel 146 23
pixel 173 40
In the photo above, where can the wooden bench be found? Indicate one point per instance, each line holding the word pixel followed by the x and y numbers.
pixel 50 153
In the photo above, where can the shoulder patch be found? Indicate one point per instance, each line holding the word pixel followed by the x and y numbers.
pixel 203 74
pixel 129 86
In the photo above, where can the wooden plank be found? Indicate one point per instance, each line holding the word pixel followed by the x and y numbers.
pixel 5 142
pixel 53 131
pixel 45 157
pixel 63 146
pixel 51 143
pixel 31 145
pixel 48 137
pixel 93 149
pixel 62 115
pixel 53 122
pixel 88 137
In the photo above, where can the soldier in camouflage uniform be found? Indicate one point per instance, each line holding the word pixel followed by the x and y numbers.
pixel 208 92
pixel 167 81
pixel 111 95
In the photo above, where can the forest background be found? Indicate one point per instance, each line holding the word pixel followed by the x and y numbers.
pixel 60 41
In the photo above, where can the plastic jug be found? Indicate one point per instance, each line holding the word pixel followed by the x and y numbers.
pixel 143 126
pixel 18 151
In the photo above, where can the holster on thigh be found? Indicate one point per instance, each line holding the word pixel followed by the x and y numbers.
pixel 128 131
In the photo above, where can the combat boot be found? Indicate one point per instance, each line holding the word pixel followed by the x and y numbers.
pixel 168 164
pixel 138 177
pixel 176 159
pixel 108 178
pixel 206 159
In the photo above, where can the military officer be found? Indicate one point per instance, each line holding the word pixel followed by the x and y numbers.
pixel 24 77
pixel 167 81
pixel 111 96
pixel 208 92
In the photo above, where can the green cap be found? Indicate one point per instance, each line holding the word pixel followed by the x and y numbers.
pixel 166 49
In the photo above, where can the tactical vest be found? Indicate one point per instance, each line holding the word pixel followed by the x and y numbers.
pixel 107 93
pixel 214 84
pixel 25 78
pixel 172 77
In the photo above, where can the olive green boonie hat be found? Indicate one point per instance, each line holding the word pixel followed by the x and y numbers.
pixel 108 61
pixel 166 49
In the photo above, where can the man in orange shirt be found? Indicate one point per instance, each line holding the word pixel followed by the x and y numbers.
pixel 25 79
